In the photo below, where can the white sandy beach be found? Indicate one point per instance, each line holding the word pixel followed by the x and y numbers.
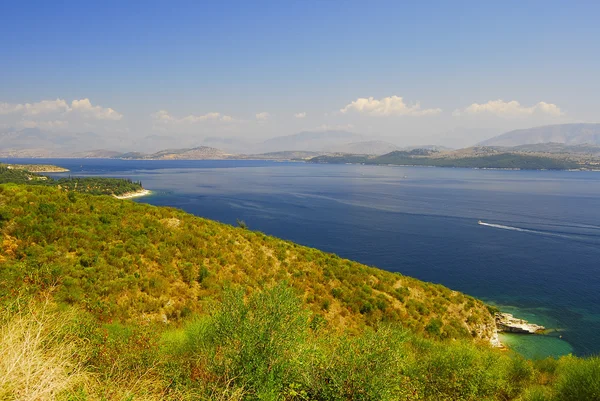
pixel 130 195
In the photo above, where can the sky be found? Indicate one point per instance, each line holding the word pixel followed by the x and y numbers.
pixel 430 72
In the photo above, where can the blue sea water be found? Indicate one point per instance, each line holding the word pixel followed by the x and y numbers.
pixel 538 258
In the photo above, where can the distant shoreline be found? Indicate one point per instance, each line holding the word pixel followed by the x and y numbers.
pixel 137 194
pixel 571 169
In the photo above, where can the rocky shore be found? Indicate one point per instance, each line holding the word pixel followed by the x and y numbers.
pixel 507 323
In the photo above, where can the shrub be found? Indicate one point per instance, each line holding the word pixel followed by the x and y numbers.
pixel 256 345
pixel 578 379
pixel 365 367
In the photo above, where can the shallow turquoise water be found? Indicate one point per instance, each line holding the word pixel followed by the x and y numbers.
pixel 536 346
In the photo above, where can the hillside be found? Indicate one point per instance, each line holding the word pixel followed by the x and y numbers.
pixel 569 134
pixel 105 299
pixel 124 260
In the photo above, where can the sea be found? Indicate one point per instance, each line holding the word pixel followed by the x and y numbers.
pixel 525 241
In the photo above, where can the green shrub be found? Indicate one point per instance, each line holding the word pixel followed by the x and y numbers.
pixel 255 344
pixel 365 367
pixel 578 379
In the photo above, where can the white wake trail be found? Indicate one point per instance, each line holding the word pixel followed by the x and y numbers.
pixel 481 223
pixel 525 230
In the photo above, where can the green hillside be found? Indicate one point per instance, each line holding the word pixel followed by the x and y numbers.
pixel 123 260
pixel 104 299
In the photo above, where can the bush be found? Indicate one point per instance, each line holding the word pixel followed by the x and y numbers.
pixel 578 379
pixel 365 367
pixel 256 345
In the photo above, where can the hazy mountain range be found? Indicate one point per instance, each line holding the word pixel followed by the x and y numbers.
pixel 33 142
pixel 568 134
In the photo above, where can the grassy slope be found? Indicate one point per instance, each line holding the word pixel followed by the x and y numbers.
pixel 126 261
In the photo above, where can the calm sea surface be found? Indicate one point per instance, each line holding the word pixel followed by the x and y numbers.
pixel 538 257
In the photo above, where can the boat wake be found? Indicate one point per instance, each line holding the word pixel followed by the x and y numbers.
pixel 580 237
pixel 481 223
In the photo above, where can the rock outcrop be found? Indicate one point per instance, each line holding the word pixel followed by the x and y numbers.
pixel 505 322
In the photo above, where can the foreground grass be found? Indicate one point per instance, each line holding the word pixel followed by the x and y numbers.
pixel 263 347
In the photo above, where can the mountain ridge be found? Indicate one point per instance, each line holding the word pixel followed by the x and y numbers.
pixel 569 134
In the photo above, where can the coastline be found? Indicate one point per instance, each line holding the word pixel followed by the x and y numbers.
pixel 137 194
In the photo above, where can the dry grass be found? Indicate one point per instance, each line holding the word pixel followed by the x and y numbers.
pixel 36 363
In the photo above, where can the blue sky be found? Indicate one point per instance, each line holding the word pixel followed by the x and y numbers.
pixel 262 65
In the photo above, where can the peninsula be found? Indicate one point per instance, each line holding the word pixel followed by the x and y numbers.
pixel 90 185
pixel 37 168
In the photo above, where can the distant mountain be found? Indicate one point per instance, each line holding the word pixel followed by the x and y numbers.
pixel 285 155
pixel 435 148
pixel 314 141
pixel 97 153
pixel 197 153
pixel 553 147
pixel 132 155
pixel 364 147
pixel 569 134
pixel 232 144
pixel 28 153
pixel 34 138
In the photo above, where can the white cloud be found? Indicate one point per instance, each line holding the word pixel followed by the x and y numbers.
pixel 85 107
pixel 263 116
pixel 509 109
pixel 388 106
pixel 300 115
pixel 59 114
pixel 33 109
pixel 164 117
